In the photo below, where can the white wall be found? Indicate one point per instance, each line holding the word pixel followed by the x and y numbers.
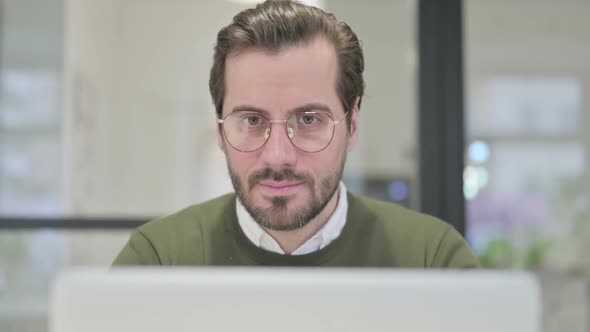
pixel 388 114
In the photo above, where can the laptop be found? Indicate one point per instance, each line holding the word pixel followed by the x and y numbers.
pixel 293 300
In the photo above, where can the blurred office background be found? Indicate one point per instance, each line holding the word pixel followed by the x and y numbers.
pixel 106 121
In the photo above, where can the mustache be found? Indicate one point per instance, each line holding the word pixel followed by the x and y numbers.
pixel 284 174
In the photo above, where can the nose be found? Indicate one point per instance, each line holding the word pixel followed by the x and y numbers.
pixel 279 152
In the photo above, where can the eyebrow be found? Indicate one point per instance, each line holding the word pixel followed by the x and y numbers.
pixel 311 107
pixel 299 109
pixel 249 108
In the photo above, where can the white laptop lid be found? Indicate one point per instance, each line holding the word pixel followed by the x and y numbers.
pixel 261 300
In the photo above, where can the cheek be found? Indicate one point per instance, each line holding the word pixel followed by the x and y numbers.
pixel 338 145
pixel 241 162
pixel 325 162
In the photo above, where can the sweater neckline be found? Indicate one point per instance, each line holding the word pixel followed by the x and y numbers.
pixel 261 256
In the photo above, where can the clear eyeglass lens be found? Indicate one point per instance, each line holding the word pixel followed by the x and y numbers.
pixel 308 131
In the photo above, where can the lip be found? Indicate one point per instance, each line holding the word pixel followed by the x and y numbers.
pixel 281 188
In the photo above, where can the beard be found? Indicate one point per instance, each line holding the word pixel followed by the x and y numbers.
pixel 279 216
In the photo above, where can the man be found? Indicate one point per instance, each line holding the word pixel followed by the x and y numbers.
pixel 287 86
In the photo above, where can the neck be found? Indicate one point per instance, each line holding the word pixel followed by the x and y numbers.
pixel 289 241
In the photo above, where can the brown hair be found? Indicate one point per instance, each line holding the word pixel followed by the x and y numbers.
pixel 276 24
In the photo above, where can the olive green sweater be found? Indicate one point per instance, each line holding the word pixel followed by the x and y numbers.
pixel 375 234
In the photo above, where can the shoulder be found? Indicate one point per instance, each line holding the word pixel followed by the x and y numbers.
pixel 196 217
pixel 414 236
pixel 190 226
pixel 180 238
pixel 396 217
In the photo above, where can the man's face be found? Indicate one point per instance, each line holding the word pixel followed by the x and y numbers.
pixel 281 186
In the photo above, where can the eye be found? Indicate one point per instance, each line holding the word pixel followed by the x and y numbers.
pixel 253 120
pixel 307 119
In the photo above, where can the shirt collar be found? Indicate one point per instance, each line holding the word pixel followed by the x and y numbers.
pixel 328 233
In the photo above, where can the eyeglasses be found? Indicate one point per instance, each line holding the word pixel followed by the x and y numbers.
pixel 308 131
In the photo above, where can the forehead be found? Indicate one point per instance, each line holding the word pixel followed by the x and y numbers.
pixel 278 81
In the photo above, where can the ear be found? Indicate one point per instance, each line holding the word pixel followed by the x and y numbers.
pixel 353 131
pixel 220 140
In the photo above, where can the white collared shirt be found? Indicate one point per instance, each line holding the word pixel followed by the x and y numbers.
pixel 328 233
